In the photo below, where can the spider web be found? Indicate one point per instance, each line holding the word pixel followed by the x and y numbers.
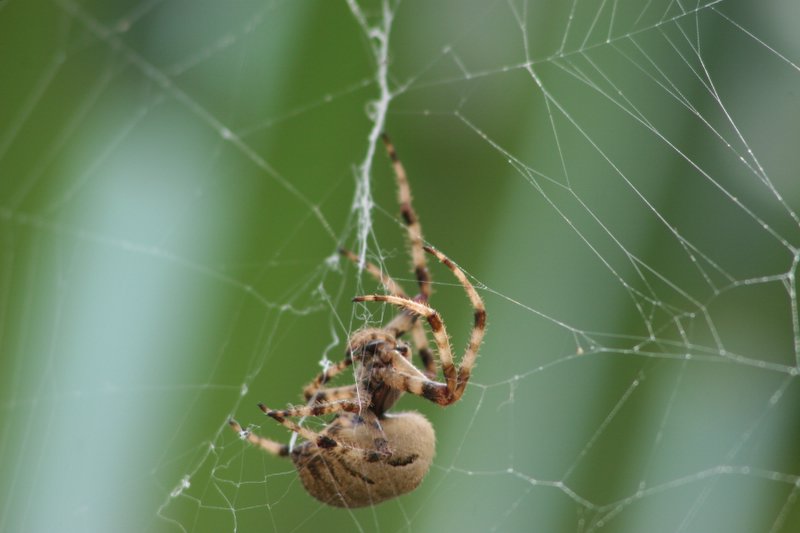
pixel 618 178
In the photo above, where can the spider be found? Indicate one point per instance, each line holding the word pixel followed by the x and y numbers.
pixel 367 455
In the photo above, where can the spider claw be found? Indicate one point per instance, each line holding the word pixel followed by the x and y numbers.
pixel 271 413
pixel 243 433
pixel 440 256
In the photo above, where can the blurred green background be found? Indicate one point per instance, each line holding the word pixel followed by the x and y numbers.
pixel 619 178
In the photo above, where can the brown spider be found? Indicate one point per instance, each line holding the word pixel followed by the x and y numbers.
pixel 366 455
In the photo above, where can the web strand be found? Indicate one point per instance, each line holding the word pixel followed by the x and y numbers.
pixel 616 180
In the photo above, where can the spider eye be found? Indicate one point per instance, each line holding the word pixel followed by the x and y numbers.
pixel 402 348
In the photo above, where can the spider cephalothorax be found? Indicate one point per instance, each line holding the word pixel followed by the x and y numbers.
pixel 374 351
pixel 366 454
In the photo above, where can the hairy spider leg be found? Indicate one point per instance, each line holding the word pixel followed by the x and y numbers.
pixel 389 284
pixel 479 320
pixel 407 378
pixel 456 379
pixel 403 322
pixel 333 394
pixel 316 392
pixel 318 383
pixel 310 410
pixel 322 441
pixel 275 448
pixel 418 258
pixel 325 441
pixel 411 221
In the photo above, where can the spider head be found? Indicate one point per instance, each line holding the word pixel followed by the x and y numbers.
pixel 383 351
pixel 371 346
pixel 374 349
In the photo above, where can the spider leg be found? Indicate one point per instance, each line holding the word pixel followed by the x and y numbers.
pixel 320 440
pixel 418 258
pixel 318 383
pixel 275 448
pixel 479 321
pixel 456 379
pixel 317 409
pixel 437 328
pixel 412 222
pixel 334 394
pixel 421 345
pixel 416 383
pixel 316 392
pixel 324 441
pixel 403 322
pixel 391 286
pixel 399 325
pixel 402 375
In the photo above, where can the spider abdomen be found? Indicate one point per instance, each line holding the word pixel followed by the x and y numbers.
pixel 338 479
